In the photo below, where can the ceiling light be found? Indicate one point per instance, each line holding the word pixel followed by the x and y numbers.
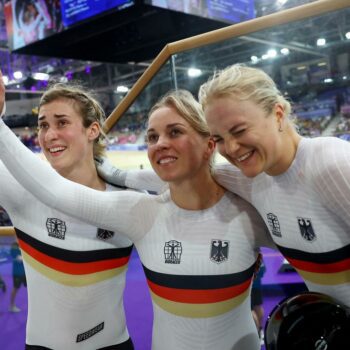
pixel 265 56
pixel 41 76
pixel 5 79
pixel 18 75
pixel 328 80
pixel 122 89
pixel 194 72
pixel 272 53
pixel 285 51
pixel 347 35
pixel 321 42
pixel 254 59
pixel 322 64
pixel 301 68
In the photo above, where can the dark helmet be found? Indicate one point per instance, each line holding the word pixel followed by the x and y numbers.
pixel 308 321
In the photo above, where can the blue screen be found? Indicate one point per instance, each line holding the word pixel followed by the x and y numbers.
pixel 30 21
pixel 231 11
pixel 77 10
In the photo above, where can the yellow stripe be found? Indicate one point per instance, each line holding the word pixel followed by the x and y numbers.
pixel 72 280
pixel 199 310
pixel 327 279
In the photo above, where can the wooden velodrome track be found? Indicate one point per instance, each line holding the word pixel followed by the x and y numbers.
pixel 129 159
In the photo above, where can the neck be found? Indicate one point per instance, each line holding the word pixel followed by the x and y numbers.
pixel 289 147
pixel 199 193
pixel 85 174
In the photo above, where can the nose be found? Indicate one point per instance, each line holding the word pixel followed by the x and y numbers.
pixel 50 134
pixel 162 142
pixel 231 146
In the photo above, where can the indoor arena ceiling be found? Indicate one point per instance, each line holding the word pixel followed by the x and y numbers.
pixel 299 39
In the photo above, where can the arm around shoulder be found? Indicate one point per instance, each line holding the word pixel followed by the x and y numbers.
pixel 329 174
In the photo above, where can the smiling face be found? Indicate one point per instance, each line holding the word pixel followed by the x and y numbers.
pixel 246 135
pixel 65 142
pixel 176 151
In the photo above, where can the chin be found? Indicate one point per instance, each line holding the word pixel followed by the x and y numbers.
pixel 250 172
pixel 166 177
pixel 59 167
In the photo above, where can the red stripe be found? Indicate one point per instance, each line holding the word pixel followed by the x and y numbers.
pixel 73 268
pixel 339 266
pixel 201 296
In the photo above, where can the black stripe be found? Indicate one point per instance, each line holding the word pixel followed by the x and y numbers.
pixel 74 255
pixel 127 345
pixel 199 281
pixel 332 256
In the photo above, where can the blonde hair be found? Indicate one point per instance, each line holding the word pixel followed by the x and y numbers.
pixel 87 106
pixel 185 104
pixel 243 83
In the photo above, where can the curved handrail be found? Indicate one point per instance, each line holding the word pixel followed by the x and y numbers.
pixel 6 231
pixel 297 13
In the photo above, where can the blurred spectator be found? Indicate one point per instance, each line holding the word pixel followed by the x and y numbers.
pixel 4 218
pixel 2 285
pixel 257 299
pixel 18 275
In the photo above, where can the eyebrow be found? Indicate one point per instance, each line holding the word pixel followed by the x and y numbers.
pixel 169 126
pixel 58 116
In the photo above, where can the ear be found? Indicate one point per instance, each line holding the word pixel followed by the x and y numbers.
pixel 210 148
pixel 279 112
pixel 93 131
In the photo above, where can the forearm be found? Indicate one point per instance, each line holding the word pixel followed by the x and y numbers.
pixel 135 179
pixel 144 180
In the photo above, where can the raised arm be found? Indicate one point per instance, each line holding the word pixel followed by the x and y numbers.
pixel 11 193
pixel 137 179
pixel 122 211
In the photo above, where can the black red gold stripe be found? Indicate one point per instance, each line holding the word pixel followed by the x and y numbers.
pixel 73 267
pixel 200 295
pixel 327 268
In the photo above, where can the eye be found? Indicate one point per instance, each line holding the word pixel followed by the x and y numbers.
pixel 175 132
pixel 62 122
pixel 217 139
pixel 238 132
pixel 151 138
pixel 42 126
